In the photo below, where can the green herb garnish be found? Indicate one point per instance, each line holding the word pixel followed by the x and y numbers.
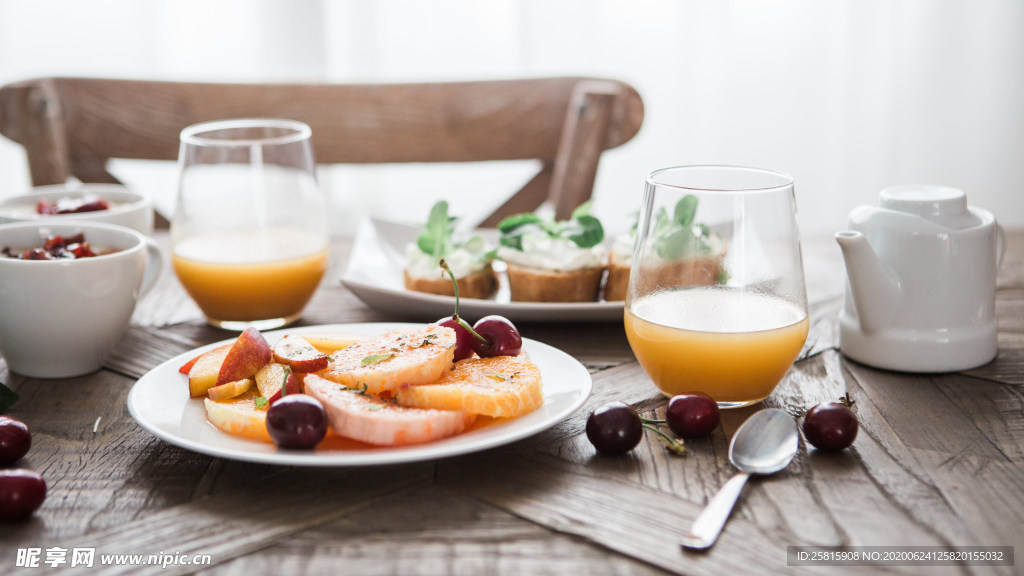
pixel 374 407
pixel 584 230
pixel 7 398
pixel 437 237
pixel 496 376
pixel 375 359
pixel 678 237
pixel 261 402
pixel 360 391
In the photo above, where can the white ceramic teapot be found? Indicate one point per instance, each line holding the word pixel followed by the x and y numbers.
pixel 921 270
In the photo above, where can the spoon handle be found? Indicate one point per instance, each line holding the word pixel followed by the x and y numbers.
pixel 709 524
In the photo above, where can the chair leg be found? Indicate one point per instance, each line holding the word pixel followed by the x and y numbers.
pixel 579 150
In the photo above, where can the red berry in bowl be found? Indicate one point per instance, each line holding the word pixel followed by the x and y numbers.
pixel 831 426
pixel 15 440
pixel 692 415
pixel 21 493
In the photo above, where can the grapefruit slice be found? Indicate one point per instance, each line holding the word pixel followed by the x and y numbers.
pixel 500 387
pixel 369 419
pixel 387 362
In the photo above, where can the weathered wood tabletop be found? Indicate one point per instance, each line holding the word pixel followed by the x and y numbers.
pixel 939 461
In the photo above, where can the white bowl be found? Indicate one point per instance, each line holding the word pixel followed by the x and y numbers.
pixel 61 318
pixel 135 212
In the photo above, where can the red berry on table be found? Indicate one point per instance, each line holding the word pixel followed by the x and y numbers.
pixel 692 415
pixel 614 428
pixel 15 440
pixel 831 426
pixel 21 493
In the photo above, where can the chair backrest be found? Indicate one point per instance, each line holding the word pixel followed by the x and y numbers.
pixel 72 126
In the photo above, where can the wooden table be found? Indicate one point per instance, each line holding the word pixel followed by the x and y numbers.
pixel 939 461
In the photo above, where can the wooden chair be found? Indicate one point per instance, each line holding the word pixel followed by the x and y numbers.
pixel 71 126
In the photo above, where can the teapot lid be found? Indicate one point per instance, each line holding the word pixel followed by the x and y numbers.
pixel 939 204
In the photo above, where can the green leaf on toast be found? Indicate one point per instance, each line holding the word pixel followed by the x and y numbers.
pixel 516 220
pixel 686 209
pixel 587 231
pixel 437 234
pixel 582 209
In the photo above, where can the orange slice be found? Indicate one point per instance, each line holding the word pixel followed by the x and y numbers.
pixel 500 387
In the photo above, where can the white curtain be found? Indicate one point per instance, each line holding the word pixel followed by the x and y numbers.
pixel 847 96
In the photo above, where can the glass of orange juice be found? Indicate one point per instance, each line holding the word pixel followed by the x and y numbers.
pixel 249 236
pixel 716 301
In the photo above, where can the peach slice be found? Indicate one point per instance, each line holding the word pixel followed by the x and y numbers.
pixel 269 379
pixel 248 354
pixel 296 352
pixel 331 343
pixel 239 416
pixel 229 390
pixel 203 374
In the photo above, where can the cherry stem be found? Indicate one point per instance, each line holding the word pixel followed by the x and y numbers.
pixel 444 266
pixel 670 443
pixel 284 385
pixel 649 421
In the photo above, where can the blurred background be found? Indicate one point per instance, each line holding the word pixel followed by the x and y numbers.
pixel 847 96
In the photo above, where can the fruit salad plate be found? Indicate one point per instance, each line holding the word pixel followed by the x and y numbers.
pixel 375 274
pixel 160 403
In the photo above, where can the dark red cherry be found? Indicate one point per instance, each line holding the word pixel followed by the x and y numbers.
pixel 614 428
pixel 15 440
pixel 830 426
pixel 297 421
pixel 21 493
pixel 503 337
pixel 692 415
pixel 463 339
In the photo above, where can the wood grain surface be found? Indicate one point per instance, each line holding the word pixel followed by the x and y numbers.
pixel 939 460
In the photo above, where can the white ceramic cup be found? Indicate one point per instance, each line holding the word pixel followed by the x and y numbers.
pixel 134 211
pixel 61 318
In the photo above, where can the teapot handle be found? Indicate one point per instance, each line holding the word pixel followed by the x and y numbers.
pixel 1000 246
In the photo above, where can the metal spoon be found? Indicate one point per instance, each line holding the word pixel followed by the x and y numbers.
pixel 764 444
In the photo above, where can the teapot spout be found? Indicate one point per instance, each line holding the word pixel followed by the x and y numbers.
pixel 876 295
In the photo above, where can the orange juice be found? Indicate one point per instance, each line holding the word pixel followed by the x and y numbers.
pixel 250 275
pixel 733 346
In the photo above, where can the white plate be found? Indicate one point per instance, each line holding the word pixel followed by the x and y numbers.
pixel 374 274
pixel 160 403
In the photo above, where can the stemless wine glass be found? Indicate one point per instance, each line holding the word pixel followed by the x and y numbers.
pixel 249 236
pixel 716 301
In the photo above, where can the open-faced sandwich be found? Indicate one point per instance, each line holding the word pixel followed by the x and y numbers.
pixel 398 388
pixel 620 262
pixel 684 253
pixel 469 258
pixel 551 261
